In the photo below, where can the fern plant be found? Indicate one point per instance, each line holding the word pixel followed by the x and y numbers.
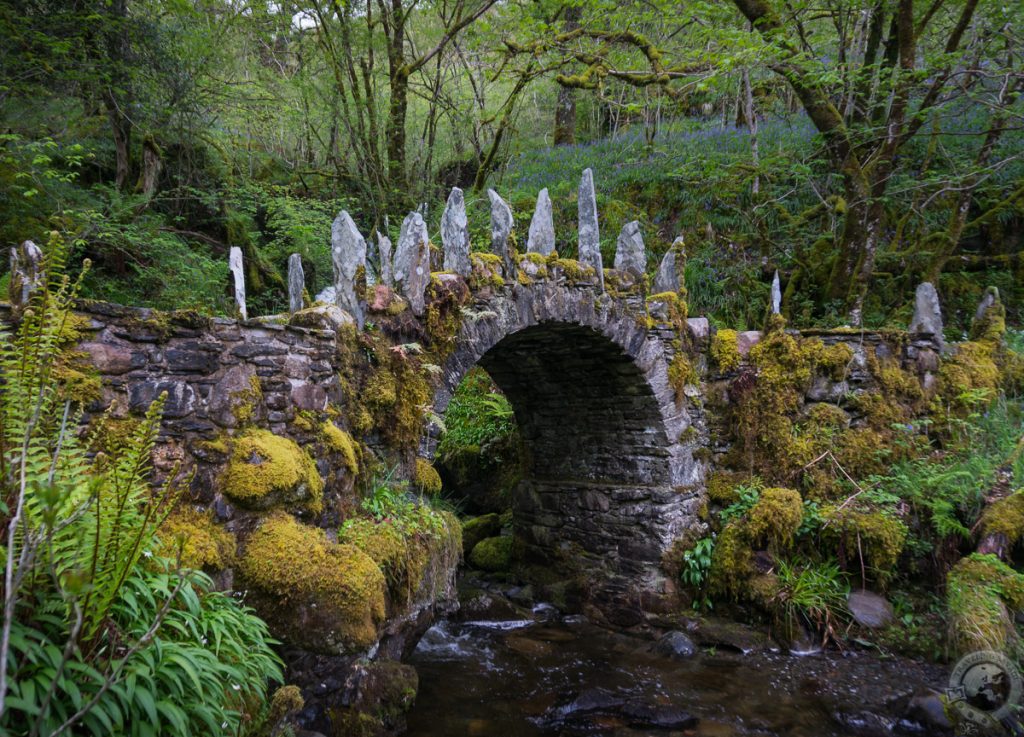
pixel 99 635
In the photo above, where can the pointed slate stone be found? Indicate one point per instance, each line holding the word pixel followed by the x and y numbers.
pixel 776 294
pixel 238 275
pixel 541 238
pixel 927 317
pixel 501 231
pixel 667 278
pixel 296 283
pixel 412 261
pixel 384 252
pixel 26 273
pixel 348 254
pixel 629 250
pixel 589 232
pixel 455 234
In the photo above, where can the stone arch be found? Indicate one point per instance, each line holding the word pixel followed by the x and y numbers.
pixel 610 463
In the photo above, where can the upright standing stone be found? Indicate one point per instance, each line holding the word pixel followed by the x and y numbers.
pixel 296 283
pixel 630 254
pixel 667 279
pixel 927 317
pixel 989 321
pixel 238 274
pixel 542 227
pixel 348 253
pixel 26 273
pixel 501 231
pixel 412 261
pixel 455 234
pixel 589 233
pixel 384 251
pixel 776 294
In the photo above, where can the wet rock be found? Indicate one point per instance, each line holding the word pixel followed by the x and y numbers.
pixel 864 723
pixel 348 257
pixel 528 647
pixel 675 645
pixel 589 230
pixel 296 283
pixel 541 237
pixel 630 254
pixel 412 261
pixel 455 234
pixel 869 609
pixel 733 636
pixel 501 230
pixel 926 709
pixel 657 716
pixel 478 604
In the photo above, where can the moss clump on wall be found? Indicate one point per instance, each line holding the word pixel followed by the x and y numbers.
pixel 721 486
pixel 445 299
pixel 265 470
pixel 476 529
pixel 339 587
pixel 486 271
pixel 869 533
pixel 401 555
pixel 1005 517
pixel 680 374
pixel 972 367
pixel 572 270
pixel 775 518
pixel 982 593
pixel 732 562
pixel 426 478
pixel 341 442
pixel 492 554
pixel 725 350
pixel 203 543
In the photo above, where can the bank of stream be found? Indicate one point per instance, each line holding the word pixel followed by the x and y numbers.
pixel 528 670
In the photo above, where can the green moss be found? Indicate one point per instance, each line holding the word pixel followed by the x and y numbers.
pixel 876 536
pixel 892 378
pixel 492 554
pixel 680 374
pixel 725 351
pixel 245 401
pixel 486 271
pixel 77 385
pixel 823 416
pixel 476 529
pixel 341 442
pixel 572 270
pixel 265 470
pixel 401 555
pixel 201 541
pixel 297 565
pixel 982 593
pixel 775 518
pixel 990 326
pixel 426 478
pixel 285 701
pixel 721 486
pixel 732 562
pixel 1005 517
pixel 972 367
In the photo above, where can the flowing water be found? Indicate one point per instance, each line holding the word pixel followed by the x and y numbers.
pixel 543 674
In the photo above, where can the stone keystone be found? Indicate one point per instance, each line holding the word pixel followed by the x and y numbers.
pixel 927 317
pixel 776 294
pixel 26 274
pixel 589 232
pixel 412 261
pixel 348 254
pixel 296 283
pixel 455 234
pixel 501 231
pixel 384 252
pixel 238 274
pixel 629 250
pixel 542 227
pixel 668 279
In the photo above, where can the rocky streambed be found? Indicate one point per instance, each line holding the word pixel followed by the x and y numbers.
pixel 506 666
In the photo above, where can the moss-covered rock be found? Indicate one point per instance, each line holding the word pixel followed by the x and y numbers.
pixel 871 533
pixel 725 350
pixel 476 529
pixel 426 478
pixel 492 554
pixel 267 470
pixel 732 562
pixel 202 543
pixel 319 595
pixel 982 593
pixel 1005 517
pixel 343 443
pixel 775 518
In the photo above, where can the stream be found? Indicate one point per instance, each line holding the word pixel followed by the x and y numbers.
pixel 540 673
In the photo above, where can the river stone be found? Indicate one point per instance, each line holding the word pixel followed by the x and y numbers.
pixel 675 645
pixel 501 231
pixel 238 275
pixel 629 250
pixel 869 609
pixel 658 716
pixel 927 313
pixel 589 231
pixel 542 227
pixel 927 709
pixel 296 283
pixel 384 253
pixel 412 261
pixel 667 277
pixel 455 234
pixel 348 254
pixel 776 304
pixel 26 274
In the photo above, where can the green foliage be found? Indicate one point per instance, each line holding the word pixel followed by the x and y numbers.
pixel 814 594
pixel 477 415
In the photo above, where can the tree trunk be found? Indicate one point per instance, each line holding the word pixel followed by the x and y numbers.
pixel 565 109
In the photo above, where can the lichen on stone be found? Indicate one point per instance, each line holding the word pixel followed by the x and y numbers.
pixel 266 470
